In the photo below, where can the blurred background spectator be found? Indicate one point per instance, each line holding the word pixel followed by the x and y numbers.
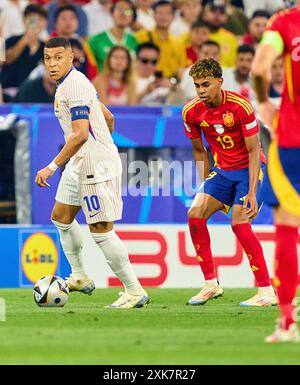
pixel 116 84
pixel 123 15
pixel 194 41
pixel 189 11
pixel 256 28
pixel 172 58
pixel 52 9
pixel 216 18
pixel 39 90
pixel 277 81
pixel 270 6
pixel 12 17
pixel 145 15
pixel 23 52
pixel 99 17
pixel 238 79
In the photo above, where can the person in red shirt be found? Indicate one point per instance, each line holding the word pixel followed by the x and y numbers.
pixel 281 188
pixel 228 123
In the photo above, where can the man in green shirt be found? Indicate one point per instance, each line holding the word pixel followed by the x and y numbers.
pixel 123 14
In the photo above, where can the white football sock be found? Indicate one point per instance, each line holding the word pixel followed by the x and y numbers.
pixel 266 290
pixel 213 281
pixel 117 258
pixel 71 241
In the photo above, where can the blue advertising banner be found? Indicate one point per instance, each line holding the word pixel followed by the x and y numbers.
pixel 29 253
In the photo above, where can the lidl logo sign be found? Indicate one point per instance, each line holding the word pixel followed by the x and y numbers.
pixel 38 255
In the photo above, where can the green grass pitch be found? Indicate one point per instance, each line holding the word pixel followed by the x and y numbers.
pixel 165 332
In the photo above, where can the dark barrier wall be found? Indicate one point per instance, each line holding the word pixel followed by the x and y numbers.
pixel 136 127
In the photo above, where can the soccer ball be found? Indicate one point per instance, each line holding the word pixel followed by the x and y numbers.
pixel 51 291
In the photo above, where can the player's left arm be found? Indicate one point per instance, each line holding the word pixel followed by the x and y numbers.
pixel 253 147
pixel 79 136
pixel 109 118
pixel 271 46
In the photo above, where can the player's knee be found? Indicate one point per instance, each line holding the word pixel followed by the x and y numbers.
pixel 60 218
pixel 196 212
pixel 60 224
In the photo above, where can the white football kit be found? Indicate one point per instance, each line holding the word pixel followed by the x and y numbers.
pixel 92 178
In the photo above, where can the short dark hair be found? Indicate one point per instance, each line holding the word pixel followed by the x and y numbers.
pixel 37 9
pixel 260 13
pixel 245 48
pixel 58 42
pixel 211 42
pixel 162 3
pixel 199 24
pixel 147 45
pixel 76 43
pixel 67 7
pixel 205 68
pixel 133 7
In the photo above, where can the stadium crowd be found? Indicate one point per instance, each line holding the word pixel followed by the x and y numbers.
pixel 135 52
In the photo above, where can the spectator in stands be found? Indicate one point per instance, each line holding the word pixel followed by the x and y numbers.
pixel 116 84
pixel 172 51
pixel 209 49
pixel 11 14
pixel 256 28
pixel 237 21
pixel 190 11
pixel 270 6
pixel 52 9
pixel 145 15
pixel 198 35
pixel 23 52
pixel 99 17
pixel 152 88
pixel 277 78
pixel 238 79
pixel 39 90
pixel 216 17
pixel 123 14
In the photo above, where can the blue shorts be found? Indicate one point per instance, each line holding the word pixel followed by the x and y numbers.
pixel 230 187
pixel 290 160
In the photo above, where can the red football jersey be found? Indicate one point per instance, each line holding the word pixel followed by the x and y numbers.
pixel 224 128
pixel 287 23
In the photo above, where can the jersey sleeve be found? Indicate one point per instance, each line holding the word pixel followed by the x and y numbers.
pixel 248 121
pixel 277 25
pixel 191 130
pixel 79 95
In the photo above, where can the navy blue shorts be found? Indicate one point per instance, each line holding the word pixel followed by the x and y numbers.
pixel 230 187
pixel 290 160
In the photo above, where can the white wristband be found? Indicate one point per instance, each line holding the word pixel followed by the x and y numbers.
pixel 53 166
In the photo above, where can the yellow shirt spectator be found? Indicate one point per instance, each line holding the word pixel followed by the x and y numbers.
pixel 172 57
pixel 229 45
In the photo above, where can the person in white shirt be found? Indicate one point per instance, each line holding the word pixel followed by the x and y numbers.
pixel 271 6
pixel 12 17
pixel 91 179
pixel 238 79
pixel 190 11
pixel 99 16
pixel 145 15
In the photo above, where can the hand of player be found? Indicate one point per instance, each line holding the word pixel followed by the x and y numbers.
pixel 250 205
pixel 267 112
pixel 42 176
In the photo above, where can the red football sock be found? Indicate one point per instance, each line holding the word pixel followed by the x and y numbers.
pixel 254 251
pixel 286 270
pixel 201 240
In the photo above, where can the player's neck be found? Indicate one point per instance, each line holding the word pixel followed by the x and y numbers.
pixel 59 81
pixel 217 101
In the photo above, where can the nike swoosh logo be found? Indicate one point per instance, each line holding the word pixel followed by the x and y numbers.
pixel 91 216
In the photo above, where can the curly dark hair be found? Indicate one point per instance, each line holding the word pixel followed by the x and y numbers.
pixel 205 68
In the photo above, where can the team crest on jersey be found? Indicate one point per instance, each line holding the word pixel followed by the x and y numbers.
pixel 219 128
pixel 228 119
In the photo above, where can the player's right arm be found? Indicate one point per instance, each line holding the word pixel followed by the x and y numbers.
pixel 193 132
pixel 201 158
pixel 109 118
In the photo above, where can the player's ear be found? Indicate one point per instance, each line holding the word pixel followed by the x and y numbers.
pixel 221 80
